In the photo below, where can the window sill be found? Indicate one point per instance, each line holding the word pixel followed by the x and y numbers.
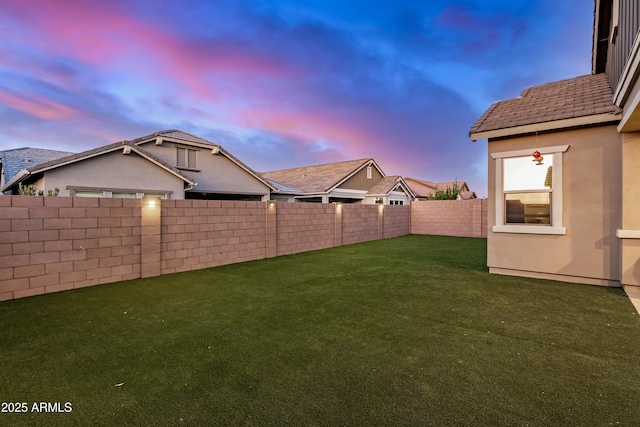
pixel 528 229
pixel 628 234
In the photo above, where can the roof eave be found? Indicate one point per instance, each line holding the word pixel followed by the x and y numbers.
pixel 17 178
pixel 596 119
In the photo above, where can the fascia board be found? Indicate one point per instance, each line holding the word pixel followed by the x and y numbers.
pixel 548 126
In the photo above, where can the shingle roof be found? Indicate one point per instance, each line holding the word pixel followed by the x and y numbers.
pixel 565 99
pixel 185 136
pixel 13 161
pixel 173 133
pixel 422 188
pixel 72 158
pixel 316 179
pixel 384 186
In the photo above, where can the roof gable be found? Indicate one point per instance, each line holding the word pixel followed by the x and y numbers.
pixel 74 158
pixel 389 184
pixel 588 97
pixel 319 178
pixel 181 137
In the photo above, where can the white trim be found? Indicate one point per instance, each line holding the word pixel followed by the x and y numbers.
pixel 615 21
pixel 553 125
pixel 528 229
pixel 499 194
pixel 556 194
pixel 594 41
pixel 627 77
pixel 628 234
pixel 528 152
pixel 159 139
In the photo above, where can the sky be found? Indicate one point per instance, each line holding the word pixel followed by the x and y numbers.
pixel 284 83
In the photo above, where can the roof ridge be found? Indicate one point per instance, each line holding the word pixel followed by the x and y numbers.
pixel 322 164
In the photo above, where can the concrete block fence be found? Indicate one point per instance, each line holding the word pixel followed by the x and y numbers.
pixel 50 244
pixel 466 218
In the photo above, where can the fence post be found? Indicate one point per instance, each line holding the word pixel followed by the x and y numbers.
pixel 271 243
pixel 338 224
pixel 150 239
pixel 381 221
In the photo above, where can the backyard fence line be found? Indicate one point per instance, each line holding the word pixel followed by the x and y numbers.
pixel 51 244
pixel 465 218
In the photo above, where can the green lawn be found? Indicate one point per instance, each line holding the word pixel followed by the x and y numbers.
pixel 407 331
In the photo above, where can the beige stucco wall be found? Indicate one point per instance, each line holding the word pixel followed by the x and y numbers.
pixel 630 264
pixel 114 171
pixel 216 173
pixel 590 250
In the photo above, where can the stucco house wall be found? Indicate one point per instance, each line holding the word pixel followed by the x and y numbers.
pixel 589 252
pixel 113 171
pixel 215 173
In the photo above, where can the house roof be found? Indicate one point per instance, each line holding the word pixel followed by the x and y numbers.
pixel 389 184
pixel 171 134
pixel 177 135
pixel 319 178
pixel 13 161
pixel 73 158
pixel 572 102
pixel 422 188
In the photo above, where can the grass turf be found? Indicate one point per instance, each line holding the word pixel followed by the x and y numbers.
pixel 406 331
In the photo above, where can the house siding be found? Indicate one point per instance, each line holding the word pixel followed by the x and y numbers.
pixel 359 181
pixel 214 173
pixel 119 171
pixel 618 53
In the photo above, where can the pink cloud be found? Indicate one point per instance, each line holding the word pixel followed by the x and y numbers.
pixel 350 136
pixel 39 107
pixel 107 36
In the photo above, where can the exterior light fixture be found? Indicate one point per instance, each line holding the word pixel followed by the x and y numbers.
pixel 151 203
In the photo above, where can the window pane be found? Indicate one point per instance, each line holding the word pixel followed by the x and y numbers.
pixel 523 173
pixel 87 193
pixel 159 196
pixel 191 159
pixel 528 208
pixel 181 160
pixel 123 195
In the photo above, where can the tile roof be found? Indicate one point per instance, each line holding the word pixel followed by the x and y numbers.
pixel 565 99
pixel 13 161
pixel 316 179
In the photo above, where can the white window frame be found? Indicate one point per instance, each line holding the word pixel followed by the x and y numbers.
pixel 190 158
pixel 556 193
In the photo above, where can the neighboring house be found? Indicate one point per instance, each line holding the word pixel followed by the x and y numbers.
pixel 564 162
pixel 170 164
pixel 355 181
pixel 13 161
pixel 423 189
